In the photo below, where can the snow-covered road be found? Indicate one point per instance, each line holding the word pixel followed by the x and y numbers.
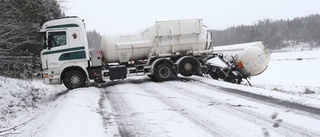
pixel 176 108
pixel 283 102
pixel 194 106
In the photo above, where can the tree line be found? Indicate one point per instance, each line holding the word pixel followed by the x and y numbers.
pixel 20 21
pixel 276 34
pixel 94 39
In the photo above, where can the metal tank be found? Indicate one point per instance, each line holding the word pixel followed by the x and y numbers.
pixel 165 38
pixel 253 58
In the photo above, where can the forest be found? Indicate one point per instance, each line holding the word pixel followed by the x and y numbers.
pixel 276 34
pixel 20 42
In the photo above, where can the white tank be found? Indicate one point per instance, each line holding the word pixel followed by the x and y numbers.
pixel 163 38
pixel 253 56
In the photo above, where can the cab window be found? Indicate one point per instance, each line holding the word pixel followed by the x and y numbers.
pixel 56 39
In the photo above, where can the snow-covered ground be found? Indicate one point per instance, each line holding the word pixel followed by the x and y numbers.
pixel 140 107
pixel 295 73
pixel 292 76
pixel 23 100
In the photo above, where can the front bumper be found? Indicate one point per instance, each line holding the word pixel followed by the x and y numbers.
pixel 50 79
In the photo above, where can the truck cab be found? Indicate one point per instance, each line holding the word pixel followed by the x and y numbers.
pixel 65 47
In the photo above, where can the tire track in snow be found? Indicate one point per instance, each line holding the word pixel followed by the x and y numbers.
pixel 140 114
pixel 262 98
pixel 110 124
pixel 171 122
pixel 215 129
pixel 119 106
pixel 209 126
pixel 286 129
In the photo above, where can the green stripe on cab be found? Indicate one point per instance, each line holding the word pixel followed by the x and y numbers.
pixel 72 56
pixel 62 50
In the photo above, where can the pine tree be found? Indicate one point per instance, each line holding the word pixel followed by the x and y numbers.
pixel 274 34
pixel 20 21
pixel 94 39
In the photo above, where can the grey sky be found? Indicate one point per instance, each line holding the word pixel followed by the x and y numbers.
pixel 116 16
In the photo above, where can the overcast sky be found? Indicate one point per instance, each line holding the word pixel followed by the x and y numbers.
pixel 117 16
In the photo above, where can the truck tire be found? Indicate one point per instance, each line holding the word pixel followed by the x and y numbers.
pixel 74 79
pixel 214 75
pixel 233 79
pixel 188 66
pixel 163 72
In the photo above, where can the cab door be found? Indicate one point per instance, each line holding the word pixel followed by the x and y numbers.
pixel 57 42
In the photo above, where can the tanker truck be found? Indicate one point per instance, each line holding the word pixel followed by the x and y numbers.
pixel 163 51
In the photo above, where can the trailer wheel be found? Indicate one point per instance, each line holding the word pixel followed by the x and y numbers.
pixel 163 72
pixel 214 75
pixel 188 66
pixel 233 79
pixel 74 79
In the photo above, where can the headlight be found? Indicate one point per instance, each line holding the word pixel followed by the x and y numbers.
pixel 45 75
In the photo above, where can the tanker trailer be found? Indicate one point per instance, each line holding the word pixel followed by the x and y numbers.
pixel 160 51
pixel 164 39
pixel 248 59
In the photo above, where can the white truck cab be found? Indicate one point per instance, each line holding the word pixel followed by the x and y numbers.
pixel 65 47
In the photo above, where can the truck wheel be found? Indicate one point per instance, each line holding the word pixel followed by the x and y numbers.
pixel 214 75
pixel 233 79
pixel 188 66
pixel 163 72
pixel 74 79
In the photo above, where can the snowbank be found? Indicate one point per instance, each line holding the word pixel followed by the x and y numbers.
pixel 75 114
pixel 21 100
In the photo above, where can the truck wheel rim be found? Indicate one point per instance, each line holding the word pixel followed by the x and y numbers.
pixel 75 80
pixel 164 72
pixel 187 66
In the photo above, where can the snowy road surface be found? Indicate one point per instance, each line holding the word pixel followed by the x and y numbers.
pixel 138 107
pixel 285 101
